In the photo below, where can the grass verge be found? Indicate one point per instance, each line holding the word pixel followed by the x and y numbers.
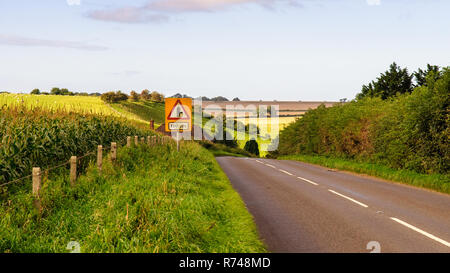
pixel 437 182
pixel 153 199
pixel 143 110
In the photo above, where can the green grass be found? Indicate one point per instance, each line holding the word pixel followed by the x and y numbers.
pixel 177 202
pixel 437 182
pixel 144 110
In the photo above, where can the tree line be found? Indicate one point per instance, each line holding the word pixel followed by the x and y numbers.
pixel 397 80
pixel 116 96
pixel 218 98
pixel 145 95
pixel 394 121
pixel 62 92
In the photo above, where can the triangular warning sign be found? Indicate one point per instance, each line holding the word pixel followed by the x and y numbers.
pixel 178 112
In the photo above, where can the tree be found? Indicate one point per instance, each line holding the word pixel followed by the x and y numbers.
pixel 121 96
pixel 134 96
pixel 251 146
pixel 433 73
pixel 395 81
pixel 236 99
pixel 35 92
pixel 161 97
pixel 219 98
pixel 66 92
pixel 113 97
pixel 108 97
pixel 145 95
pixel 156 97
pixel 55 91
pixel 177 95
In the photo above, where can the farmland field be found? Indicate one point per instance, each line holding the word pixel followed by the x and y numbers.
pixel 77 104
pixel 289 112
pixel 285 107
pixel 140 112
pixel 265 128
pixel 45 131
pixel 37 137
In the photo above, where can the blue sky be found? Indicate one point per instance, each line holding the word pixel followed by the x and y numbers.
pixel 251 49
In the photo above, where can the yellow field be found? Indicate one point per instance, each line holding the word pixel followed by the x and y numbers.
pixel 265 128
pixel 78 104
pixel 282 121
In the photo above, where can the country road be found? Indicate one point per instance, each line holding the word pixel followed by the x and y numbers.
pixel 300 207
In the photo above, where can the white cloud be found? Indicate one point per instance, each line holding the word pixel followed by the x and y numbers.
pixel 206 5
pixel 160 10
pixel 25 41
pixel 373 2
pixel 127 15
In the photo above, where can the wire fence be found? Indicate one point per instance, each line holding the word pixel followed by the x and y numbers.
pixel 67 162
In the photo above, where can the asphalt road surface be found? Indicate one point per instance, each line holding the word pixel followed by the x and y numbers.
pixel 300 207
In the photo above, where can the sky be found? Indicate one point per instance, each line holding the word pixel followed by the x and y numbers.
pixel 309 50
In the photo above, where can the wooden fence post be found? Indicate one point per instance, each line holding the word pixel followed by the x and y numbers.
pixel 129 141
pixel 36 181
pixel 152 124
pixel 136 140
pixel 149 140
pixel 113 151
pixel 142 140
pixel 37 187
pixel 73 170
pixel 100 158
pixel 153 140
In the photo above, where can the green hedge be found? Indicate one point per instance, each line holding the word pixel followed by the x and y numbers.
pixel 406 132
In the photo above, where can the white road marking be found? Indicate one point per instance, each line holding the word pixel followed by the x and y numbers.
pixel 431 236
pixel 351 199
pixel 309 181
pixel 288 173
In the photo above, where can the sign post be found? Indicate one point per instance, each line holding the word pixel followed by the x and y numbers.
pixel 178 141
pixel 178 117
